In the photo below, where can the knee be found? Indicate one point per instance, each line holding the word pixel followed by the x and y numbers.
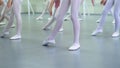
pixel 105 12
pixel 74 17
pixel 58 18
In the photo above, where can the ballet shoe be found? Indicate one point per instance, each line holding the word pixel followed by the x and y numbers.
pixel 115 34
pixel 16 37
pixel 13 26
pixel 48 42
pixel 96 32
pixel 4 34
pixel 61 29
pixel 46 28
pixel 39 18
pixel 113 21
pixel 97 21
pixel 74 47
pixel 66 19
pixel 49 18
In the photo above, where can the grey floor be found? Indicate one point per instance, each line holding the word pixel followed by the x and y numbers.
pixel 101 51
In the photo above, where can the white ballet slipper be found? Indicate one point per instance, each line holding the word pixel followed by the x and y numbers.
pixel 113 21
pixel 115 34
pixel 66 19
pixel 96 32
pixel 74 47
pixel 16 37
pixel 97 21
pixel 13 26
pixel 39 18
pixel 49 18
pixel 61 29
pixel 48 42
pixel 46 28
pixel 4 34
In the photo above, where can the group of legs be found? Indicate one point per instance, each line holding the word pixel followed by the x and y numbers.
pixel 65 4
pixel 50 22
pixel 76 26
pixel 15 6
pixel 49 7
pixel 4 11
pixel 59 17
pixel 116 11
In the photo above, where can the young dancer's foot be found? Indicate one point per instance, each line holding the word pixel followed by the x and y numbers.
pixel 48 42
pixel 96 32
pixel 16 37
pixel 97 21
pixel 115 34
pixel 4 34
pixel 61 29
pixel 39 18
pixel 49 18
pixel 74 47
pixel 66 19
pixel 13 26
pixel 113 21
pixel 46 28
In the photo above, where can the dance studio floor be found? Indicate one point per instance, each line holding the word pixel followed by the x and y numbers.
pixel 100 51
